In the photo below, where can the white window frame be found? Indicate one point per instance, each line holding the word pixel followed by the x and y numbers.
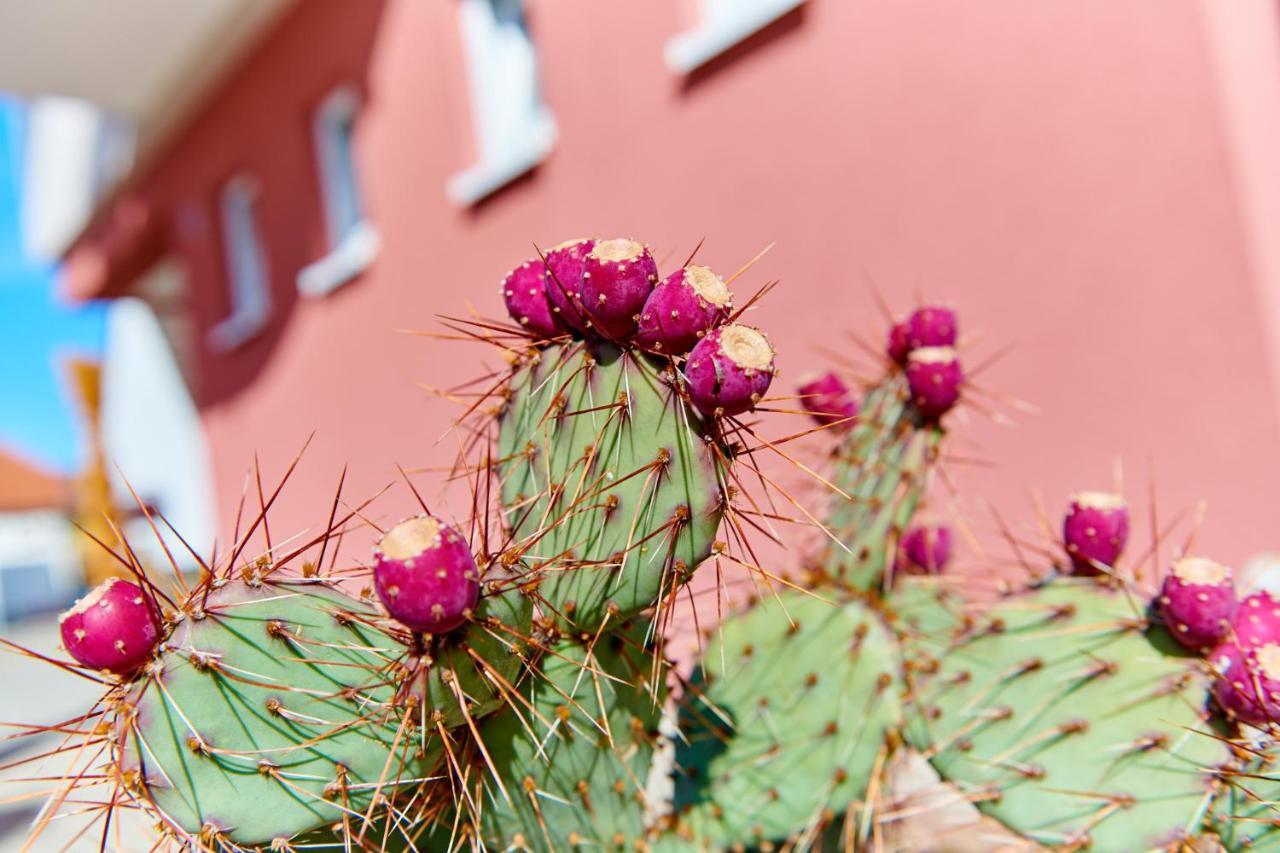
pixel 248 277
pixel 514 129
pixel 353 241
pixel 723 24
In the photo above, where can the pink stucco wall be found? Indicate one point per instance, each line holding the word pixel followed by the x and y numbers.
pixel 1060 170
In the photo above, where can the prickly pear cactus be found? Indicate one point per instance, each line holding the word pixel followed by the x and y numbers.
pixel 881 467
pixel 1063 713
pixel 278 705
pixel 609 479
pixel 271 710
pixel 785 722
pixel 574 762
pixel 1246 816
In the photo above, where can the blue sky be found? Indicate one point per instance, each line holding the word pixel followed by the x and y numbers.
pixel 39 419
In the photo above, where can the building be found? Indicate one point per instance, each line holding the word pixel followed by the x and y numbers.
pixel 1092 182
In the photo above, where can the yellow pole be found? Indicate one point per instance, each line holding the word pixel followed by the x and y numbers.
pixel 92 505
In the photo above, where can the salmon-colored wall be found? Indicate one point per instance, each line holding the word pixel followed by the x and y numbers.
pixel 1060 170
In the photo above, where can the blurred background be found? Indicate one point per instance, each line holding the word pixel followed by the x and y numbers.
pixel 220 218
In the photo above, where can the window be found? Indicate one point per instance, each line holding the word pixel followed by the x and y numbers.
pixel 246 266
pixel 723 24
pixel 353 241
pixel 514 129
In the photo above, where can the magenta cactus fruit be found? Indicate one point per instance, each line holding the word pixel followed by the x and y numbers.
pixel 927 327
pixel 425 575
pixel 1197 602
pixel 525 292
pixel 829 400
pixel 1095 530
pixel 931 326
pixel 899 346
pixel 115 627
pixel 925 549
pixel 1257 621
pixel 617 278
pixel 1247 686
pixel 687 304
pixel 564 283
pixel 935 377
pixel 729 370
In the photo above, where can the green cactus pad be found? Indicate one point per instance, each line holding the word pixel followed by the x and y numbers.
pixel 1066 717
pixel 576 763
pixel 1246 815
pixel 881 465
pixel 926 606
pixel 256 710
pixel 784 722
pixel 482 661
pixel 609 481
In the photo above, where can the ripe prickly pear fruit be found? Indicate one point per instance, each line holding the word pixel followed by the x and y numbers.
pixel 1197 602
pixel 1095 530
pixel 1257 621
pixel 525 292
pixel 425 575
pixel 685 306
pixel 829 400
pixel 564 283
pixel 931 326
pixel 1247 687
pixel 899 346
pixel 925 549
pixel 729 370
pixel 935 377
pixel 115 627
pixel 617 278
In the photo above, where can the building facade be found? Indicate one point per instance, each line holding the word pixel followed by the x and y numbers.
pixel 1088 188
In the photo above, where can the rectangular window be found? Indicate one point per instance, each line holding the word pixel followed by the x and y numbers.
pixel 513 127
pixel 246 263
pixel 723 24
pixel 353 242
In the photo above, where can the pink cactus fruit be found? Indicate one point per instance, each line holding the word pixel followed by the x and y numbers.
pixel 564 283
pixel 934 377
pixel 525 292
pixel 829 400
pixel 1247 686
pixel 1257 621
pixel 1095 530
pixel 899 344
pixel 729 370
pixel 115 627
pixel 1197 602
pixel 617 278
pixel 685 306
pixel 925 549
pixel 425 575
pixel 931 326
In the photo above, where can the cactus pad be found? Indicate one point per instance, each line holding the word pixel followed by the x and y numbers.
pixel 881 465
pixel 575 761
pixel 274 711
pixel 1064 715
pixel 1246 815
pixel 609 481
pixel 785 721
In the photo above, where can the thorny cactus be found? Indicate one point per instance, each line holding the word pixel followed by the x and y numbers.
pixel 504 683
